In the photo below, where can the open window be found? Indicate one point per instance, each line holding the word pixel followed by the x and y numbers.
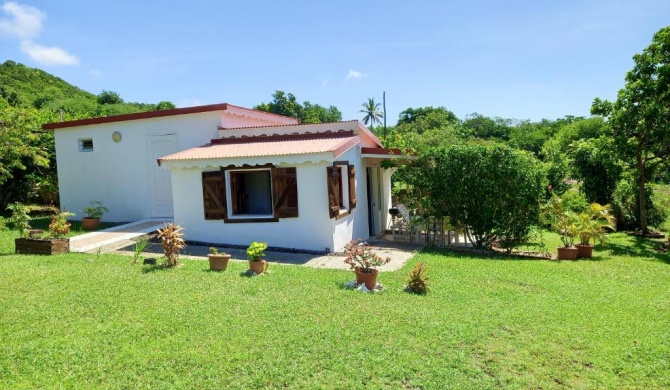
pixel 250 194
pixel 341 189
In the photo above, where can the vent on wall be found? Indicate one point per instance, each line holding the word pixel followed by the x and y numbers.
pixel 85 144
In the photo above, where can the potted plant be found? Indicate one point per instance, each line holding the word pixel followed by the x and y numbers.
pixel 94 213
pixel 564 222
pixel 32 241
pixel 254 253
pixel 363 261
pixel 591 226
pixel 217 261
pixel 59 226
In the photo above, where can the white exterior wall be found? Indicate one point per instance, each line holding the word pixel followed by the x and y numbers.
pixel 119 174
pixel 312 230
pixel 354 225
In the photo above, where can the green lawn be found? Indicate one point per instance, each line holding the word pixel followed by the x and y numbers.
pixel 83 321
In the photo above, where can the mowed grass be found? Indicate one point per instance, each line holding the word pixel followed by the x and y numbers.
pixel 87 321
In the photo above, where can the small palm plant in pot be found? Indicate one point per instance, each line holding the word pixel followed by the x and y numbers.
pixel 592 227
pixel 363 261
pixel 94 213
pixel 564 222
pixel 255 252
pixel 218 261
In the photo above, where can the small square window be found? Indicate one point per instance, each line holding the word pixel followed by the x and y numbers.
pixel 85 145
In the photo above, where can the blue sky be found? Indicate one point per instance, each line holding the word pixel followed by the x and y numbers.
pixel 512 59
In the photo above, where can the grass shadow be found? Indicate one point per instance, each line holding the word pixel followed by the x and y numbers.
pixel 638 247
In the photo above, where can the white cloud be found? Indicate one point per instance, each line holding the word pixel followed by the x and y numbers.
pixel 25 23
pixel 48 55
pixel 95 73
pixel 21 21
pixel 354 74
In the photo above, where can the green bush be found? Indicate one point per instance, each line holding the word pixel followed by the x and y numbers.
pixel 493 190
pixel 575 201
pixel 625 205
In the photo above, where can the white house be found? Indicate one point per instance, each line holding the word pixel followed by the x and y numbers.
pixel 229 175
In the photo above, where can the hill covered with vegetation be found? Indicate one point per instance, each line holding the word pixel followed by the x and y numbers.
pixel 25 87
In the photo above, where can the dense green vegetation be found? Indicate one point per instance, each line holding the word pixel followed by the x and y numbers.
pixel 83 320
pixel 615 157
pixel 288 105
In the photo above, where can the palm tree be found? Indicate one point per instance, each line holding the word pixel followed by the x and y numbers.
pixel 372 113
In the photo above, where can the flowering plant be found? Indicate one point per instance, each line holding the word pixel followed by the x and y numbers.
pixel 361 256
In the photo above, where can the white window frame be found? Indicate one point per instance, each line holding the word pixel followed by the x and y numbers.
pixel 229 195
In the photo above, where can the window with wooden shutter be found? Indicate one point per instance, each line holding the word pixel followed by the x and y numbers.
pixel 352 187
pixel 333 191
pixel 285 192
pixel 214 194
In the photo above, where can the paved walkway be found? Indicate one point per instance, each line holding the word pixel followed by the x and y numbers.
pixel 115 237
pixel 121 239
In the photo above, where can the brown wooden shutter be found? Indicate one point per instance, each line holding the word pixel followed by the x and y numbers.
pixel 352 187
pixel 214 194
pixel 236 197
pixel 285 192
pixel 333 191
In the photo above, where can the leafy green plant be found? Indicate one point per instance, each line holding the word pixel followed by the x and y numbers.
pixel 96 210
pixel 417 283
pixel 493 191
pixel 172 241
pixel 59 226
pixel 591 224
pixel 19 220
pixel 140 246
pixel 362 257
pixel 562 221
pixel 256 250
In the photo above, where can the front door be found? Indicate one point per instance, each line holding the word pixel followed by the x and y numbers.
pixel 161 181
pixel 374 191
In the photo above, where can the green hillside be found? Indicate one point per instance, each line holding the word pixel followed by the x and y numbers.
pixel 25 87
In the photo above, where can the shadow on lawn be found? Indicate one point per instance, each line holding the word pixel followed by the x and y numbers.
pixel 624 246
pixel 638 247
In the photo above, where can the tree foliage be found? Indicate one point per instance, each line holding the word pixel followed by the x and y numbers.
pixel 288 105
pixel 492 191
pixel 373 115
pixel 640 116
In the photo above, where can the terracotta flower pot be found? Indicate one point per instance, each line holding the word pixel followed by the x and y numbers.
pixel 218 262
pixel 368 278
pixel 584 251
pixel 565 253
pixel 258 266
pixel 90 223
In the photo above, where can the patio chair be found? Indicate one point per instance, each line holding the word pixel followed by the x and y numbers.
pixel 401 223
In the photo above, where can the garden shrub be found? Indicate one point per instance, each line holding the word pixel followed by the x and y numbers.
pixel 494 190
pixel 575 201
pixel 625 205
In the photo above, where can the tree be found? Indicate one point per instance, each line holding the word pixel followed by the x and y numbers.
pixel 21 148
pixel 109 97
pixel 165 105
pixel 493 191
pixel 288 105
pixel 640 116
pixel 372 113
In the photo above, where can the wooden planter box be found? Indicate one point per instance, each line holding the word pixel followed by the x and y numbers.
pixel 32 246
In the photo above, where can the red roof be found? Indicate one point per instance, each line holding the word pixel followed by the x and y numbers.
pixel 154 114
